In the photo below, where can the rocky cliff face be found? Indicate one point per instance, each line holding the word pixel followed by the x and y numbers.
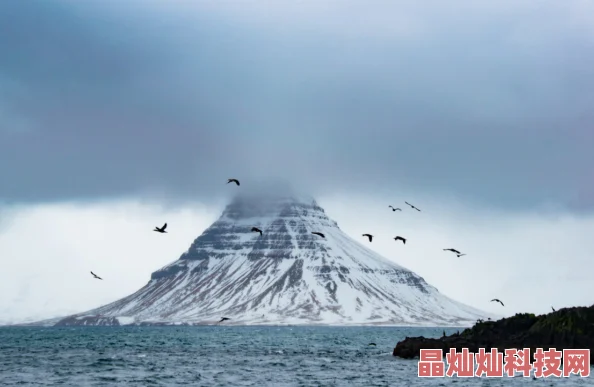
pixel 567 328
pixel 285 276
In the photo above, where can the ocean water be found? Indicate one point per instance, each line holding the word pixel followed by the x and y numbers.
pixel 223 356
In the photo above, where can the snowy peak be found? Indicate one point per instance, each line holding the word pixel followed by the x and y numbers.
pixel 286 223
pixel 285 275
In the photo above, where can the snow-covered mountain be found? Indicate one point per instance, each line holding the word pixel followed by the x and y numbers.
pixel 285 276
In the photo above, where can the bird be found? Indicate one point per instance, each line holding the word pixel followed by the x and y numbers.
pixel 374 344
pixel 96 276
pixel 223 319
pixel 256 229
pixel 412 206
pixel 368 236
pixel 233 181
pixel 452 250
pixel 497 300
pixel 319 233
pixel 399 238
pixel 162 229
pixel 553 309
pixel 395 209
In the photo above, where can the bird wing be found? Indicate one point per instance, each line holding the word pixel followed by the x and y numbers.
pixel 164 226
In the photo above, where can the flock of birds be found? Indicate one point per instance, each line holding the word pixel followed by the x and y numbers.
pixel 369 236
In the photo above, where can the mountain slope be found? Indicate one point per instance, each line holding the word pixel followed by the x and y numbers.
pixel 285 276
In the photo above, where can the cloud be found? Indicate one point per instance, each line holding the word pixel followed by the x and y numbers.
pixel 531 261
pixel 47 252
pixel 166 100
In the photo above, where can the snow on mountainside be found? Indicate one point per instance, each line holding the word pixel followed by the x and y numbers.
pixel 285 276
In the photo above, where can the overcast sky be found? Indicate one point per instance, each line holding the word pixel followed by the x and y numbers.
pixel 135 112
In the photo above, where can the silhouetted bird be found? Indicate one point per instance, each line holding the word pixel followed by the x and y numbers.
pixel 368 236
pixel 96 276
pixel 553 309
pixel 162 229
pixel 444 334
pixel 233 181
pixel 452 250
pixel 399 238
pixel 372 344
pixel 497 300
pixel 223 319
pixel 319 233
pixel 395 209
pixel 256 229
pixel 412 206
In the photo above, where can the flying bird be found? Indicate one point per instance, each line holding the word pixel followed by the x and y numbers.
pixel 497 300
pixel 162 229
pixel 453 251
pixel 399 238
pixel 319 233
pixel 395 209
pixel 368 236
pixel 374 344
pixel 233 181
pixel 412 206
pixel 256 229
pixel 223 319
pixel 96 276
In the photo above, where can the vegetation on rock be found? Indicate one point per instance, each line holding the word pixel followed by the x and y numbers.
pixel 567 328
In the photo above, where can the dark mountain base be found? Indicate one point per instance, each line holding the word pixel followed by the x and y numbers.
pixel 568 328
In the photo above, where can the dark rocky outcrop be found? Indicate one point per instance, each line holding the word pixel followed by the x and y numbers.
pixel 568 328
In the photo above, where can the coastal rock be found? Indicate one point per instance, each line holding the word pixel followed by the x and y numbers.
pixel 568 328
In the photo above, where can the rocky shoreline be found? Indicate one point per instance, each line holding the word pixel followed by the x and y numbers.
pixel 567 328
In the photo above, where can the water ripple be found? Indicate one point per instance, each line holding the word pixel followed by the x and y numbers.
pixel 222 356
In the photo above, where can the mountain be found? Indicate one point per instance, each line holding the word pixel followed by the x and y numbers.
pixel 286 276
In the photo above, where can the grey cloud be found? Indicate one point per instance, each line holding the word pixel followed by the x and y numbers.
pixel 122 102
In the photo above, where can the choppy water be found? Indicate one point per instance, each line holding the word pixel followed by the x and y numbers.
pixel 222 356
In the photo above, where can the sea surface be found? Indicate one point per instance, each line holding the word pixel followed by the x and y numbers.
pixel 223 356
